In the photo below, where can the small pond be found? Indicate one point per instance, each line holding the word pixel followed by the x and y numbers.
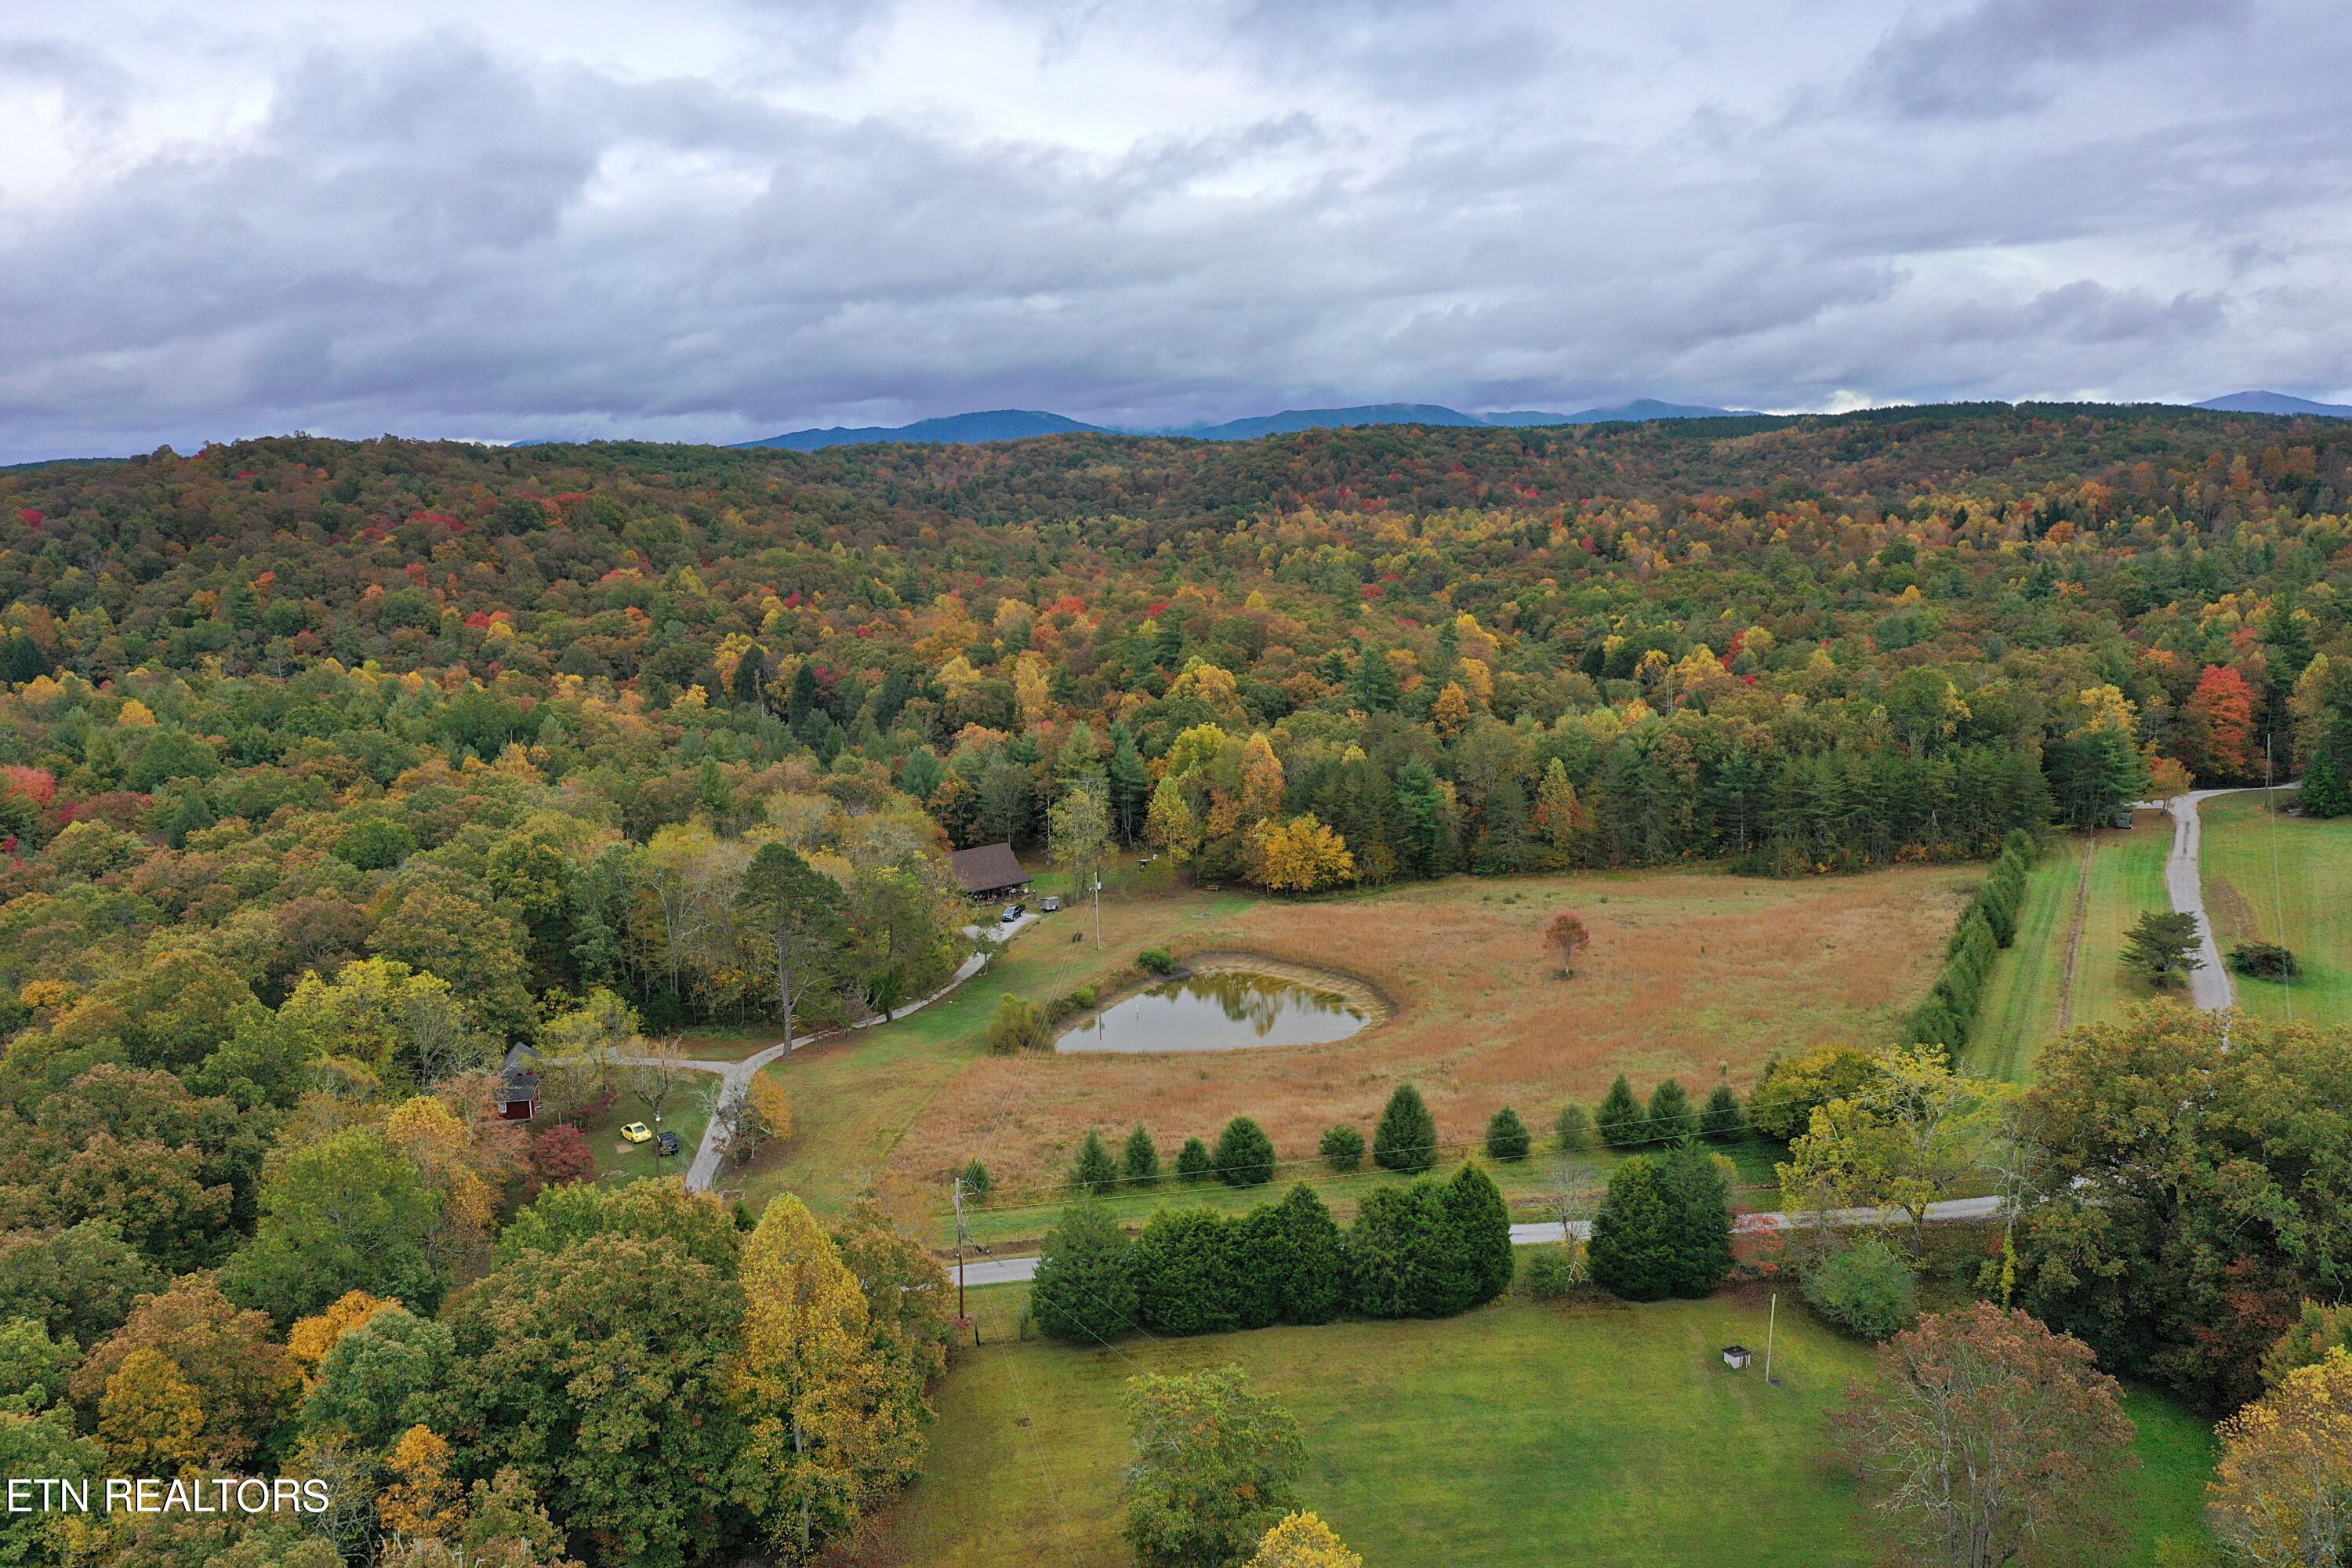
pixel 1221 1012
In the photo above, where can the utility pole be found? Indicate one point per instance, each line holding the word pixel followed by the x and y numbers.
pixel 959 1208
pixel 1771 1321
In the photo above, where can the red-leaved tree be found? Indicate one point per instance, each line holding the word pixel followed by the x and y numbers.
pixel 2217 724
pixel 1566 937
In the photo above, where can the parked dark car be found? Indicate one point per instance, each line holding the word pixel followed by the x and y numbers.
pixel 666 1145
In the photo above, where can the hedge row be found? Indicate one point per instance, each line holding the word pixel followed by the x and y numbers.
pixel 1243 1158
pixel 1428 1250
pixel 1986 926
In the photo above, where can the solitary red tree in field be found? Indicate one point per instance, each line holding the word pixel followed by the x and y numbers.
pixel 1567 937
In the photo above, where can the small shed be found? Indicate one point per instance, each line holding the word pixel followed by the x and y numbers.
pixel 991 871
pixel 1735 1357
pixel 519 1084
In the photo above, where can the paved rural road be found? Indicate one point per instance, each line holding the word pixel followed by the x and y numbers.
pixel 2184 879
pixel 735 1078
pixel 1540 1232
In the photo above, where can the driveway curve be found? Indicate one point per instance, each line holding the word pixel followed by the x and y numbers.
pixel 735 1078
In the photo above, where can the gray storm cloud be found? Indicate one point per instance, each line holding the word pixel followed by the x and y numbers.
pixel 442 224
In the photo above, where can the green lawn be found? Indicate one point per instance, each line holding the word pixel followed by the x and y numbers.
pixel 1518 1434
pixel 2027 999
pixel 687 1112
pixel 2274 878
pixel 729 1042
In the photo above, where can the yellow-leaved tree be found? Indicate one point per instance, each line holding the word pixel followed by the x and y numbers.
pixel 1451 709
pixel 1301 856
pixel 2282 1496
pixel 810 1462
pixel 150 1418
pixel 310 1340
pixel 426 1131
pixel 1303 1541
pixel 422 1502
pixel 1261 779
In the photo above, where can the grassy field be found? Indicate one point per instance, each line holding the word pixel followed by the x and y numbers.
pixel 2274 878
pixel 2028 998
pixel 729 1042
pixel 1690 976
pixel 1518 1434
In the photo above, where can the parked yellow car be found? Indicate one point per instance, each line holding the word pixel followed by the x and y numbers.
pixel 638 1132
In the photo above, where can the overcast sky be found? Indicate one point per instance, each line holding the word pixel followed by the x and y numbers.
pixel 716 219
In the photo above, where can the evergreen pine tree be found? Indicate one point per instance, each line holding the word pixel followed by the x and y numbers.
pixel 1131 784
pixel 1343 1148
pixel 1574 1128
pixel 1506 1136
pixel 1619 1121
pixel 1244 1155
pixel 1192 1162
pixel 1315 1263
pixel 1185 1265
pixel 2327 777
pixel 1722 1121
pixel 1094 1171
pixel 1698 1200
pixel 1401 1254
pixel 1634 1252
pixel 1482 1226
pixel 1671 1116
pixel 1260 1262
pixel 1083 1292
pixel 976 1182
pixel 1140 1161
pixel 1375 687
pixel 1406 1139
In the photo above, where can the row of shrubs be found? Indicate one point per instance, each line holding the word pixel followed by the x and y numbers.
pixel 1986 926
pixel 1405 1139
pixel 1431 1249
pixel 1243 1157
pixel 1622 1121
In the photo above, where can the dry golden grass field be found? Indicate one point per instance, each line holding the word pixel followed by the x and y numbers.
pixel 1690 976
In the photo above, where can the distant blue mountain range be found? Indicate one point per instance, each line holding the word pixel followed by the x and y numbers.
pixel 1015 423
pixel 996 425
pixel 1012 424
pixel 2275 403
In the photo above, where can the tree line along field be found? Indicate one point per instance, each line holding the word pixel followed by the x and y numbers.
pixel 2084 895
pixel 2270 877
pixel 1691 975
pixel 1521 1434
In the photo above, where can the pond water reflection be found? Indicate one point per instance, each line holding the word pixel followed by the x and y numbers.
pixel 1219 1012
